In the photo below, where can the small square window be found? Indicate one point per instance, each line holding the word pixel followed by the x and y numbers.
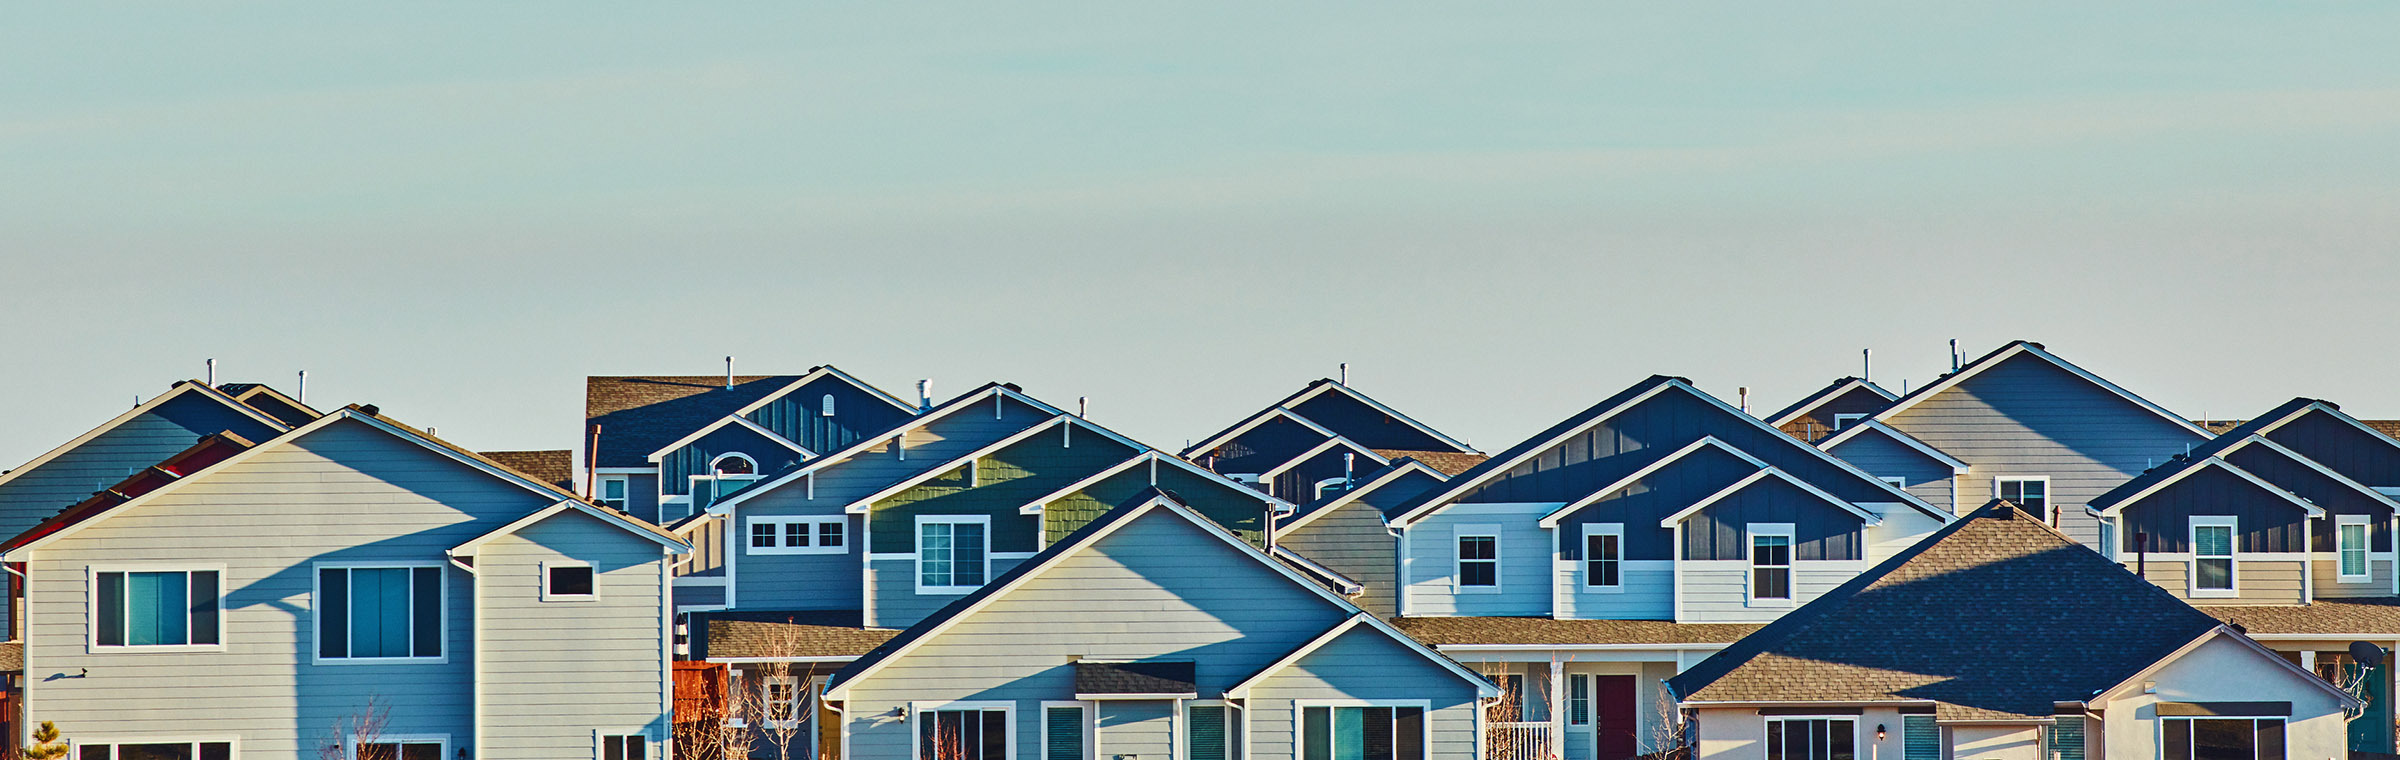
pixel 574 581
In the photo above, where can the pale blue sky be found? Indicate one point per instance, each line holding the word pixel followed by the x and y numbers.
pixel 1184 212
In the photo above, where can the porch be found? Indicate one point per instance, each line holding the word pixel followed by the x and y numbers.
pixel 1565 709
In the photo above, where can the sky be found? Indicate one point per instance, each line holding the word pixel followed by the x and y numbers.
pixel 1496 214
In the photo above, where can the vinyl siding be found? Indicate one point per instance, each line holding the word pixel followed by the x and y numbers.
pixel 1353 541
pixel 1648 592
pixel 678 466
pixel 1233 506
pixel 346 493
pixel 1002 482
pixel 2028 417
pixel 2255 581
pixel 1362 665
pixel 1526 558
pixel 1718 591
pixel 555 672
pixel 1156 588
pixel 894 583
pixel 2362 456
pixel 2264 522
pixel 1145 728
pixel 110 457
pixel 2327 572
pixel 641 497
pixel 800 415
pixel 936 443
pixel 1665 422
pixel 1822 531
pixel 1926 478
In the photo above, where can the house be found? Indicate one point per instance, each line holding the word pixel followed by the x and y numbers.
pixel 2283 525
pixel 1153 631
pixel 1347 532
pixel 662 447
pixel 1963 646
pixel 1842 404
pixel 1322 437
pixel 349 585
pixel 1583 566
pixel 2020 424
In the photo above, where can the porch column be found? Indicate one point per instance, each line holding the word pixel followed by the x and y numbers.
pixel 1558 705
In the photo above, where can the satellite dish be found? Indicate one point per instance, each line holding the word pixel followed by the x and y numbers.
pixel 2366 654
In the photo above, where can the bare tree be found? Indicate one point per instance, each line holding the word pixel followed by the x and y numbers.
pixel 785 709
pixel 364 728
pixel 1670 731
pixel 715 728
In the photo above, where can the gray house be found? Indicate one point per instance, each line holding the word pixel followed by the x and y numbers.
pixel 1155 632
pixel 350 584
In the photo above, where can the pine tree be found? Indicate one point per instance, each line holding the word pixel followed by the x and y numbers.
pixel 46 743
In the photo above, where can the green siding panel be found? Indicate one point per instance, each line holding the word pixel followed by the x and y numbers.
pixel 1237 508
pixel 1001 482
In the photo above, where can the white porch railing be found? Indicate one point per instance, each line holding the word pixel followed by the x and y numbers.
pixel 1518 741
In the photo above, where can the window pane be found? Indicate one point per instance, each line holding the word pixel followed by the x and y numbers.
pixel 2270 739
pixel 2212 541
pixel 93 752
pixel 2223 740
pixel 933 554
pixel 1843 740
pixel 1775 740
pixel 829 534
pixel 216 751
pixel 203 597
pixel 2353 543
pixel 1579 699
pixel 795 534
pixel 2216 573
pixel 1772 583
pixel 367 600
pixel 421 751
pixel 762 535
pixel 2176 740
pixel 1063 738
pixel 612 748
pixel 111 603
pixel 157 609
pixel 1207 732
pixel 637 747
pixel 1408 733
pixel 333 613
pixel 1478 574
pixel 571 581
pixel 177 751
pixel 1316 733
pixel 1375 737
pixel 966 566
pixel 995 735
pixel 428 612
pixel 1349 730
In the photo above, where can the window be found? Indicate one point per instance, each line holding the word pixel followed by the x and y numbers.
pixel 2221 738
pixel 956 733
pixel 782 695
pixel 733 464
pixel 2212 556
pixel 612 491
pixel 1204 731
pixel 1331 486
pixel 727 474
pixel 629 747
pixel 1063 729
pixel 1920 738
pixel 2350 548
pixel 398 748
pixel 155 608
pixel 1604 556
pixel 1896 480
pixel 1478 558
pixel 1771 563
pixel 379 613
pixel 1362 733
pixel 798 535
pixel 1841 421
pixel 2029 494
pixel 216 750
pixel 569 582
pixel 1812 739
pixel 2066 738
pixel 950 554
pixel 825 406
pixel 1579 699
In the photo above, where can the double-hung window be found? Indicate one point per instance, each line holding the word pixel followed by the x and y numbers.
pixel 369 613
pixel 2212 556
pixel 156 608
pixel 951 552
pixel 798 535
pixel 1478 558
pixel 2031 494
pixel 781 698
pixel 1604 557
pixel 2350 534
pixel 1812 739
pixel 1377 732
pixel 962 732
pixel 613 490
pixel 2221 738
pixel 1579 699
pixel 201 750
pixel 1770 564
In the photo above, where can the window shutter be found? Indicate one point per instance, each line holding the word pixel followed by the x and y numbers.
pixel 1207 732
pixel 2066 739
pixel 1064 737
pixel 1920 738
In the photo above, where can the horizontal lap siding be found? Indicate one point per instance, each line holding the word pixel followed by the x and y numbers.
pixel 342 493
pixel 1155 588
pixel 1879 455
pixel 1648 593
pixel 1145 728
pixel 554 672
pixel 1363 665
pixel 1525 561
pixel 797 581
pixel 1353 541
pixel 2027 417
pixel 2256 581
pixel 110 457
pixel 1718 591
pixel 2327 570
pixel 897 603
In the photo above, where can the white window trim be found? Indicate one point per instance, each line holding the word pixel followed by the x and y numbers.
pixel 2233 556
pixel 2158 732
pixel 720 459
pixel 2368 532
pixel 1458 565
pixel 317 623
pixel 1602 529
pixel 350 742
pixel 623 482
pixel 1844 421
pixel 550 597
pixel 1750 535
pixel 2049 495
pixel 1896 480
pixel 767 707
pixel 1857 727
pixel 601 735
pixel 75 746
pixel 825 408
pixel 1566 702
pixel 91 607
pixel 1091 725
pixel 1319 493
pixel 782 532
pixel 1299 714
pixel 1182 725
pixel 917 555
pixel 917 710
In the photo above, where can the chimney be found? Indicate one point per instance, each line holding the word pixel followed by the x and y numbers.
pixel 1083 406
pixel 212 373
pixel 1866 364
pixel 1349 470
pixel 591 464
pixel 925 394
pixel 1743 393
pixel 1345 374
pixel 303 389
pixel 1954 354
pixel 729 373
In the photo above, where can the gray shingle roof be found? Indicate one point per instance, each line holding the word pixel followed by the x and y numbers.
pixel 1996 615
pixel 641 414
pixel 1156 677
pixel 809 633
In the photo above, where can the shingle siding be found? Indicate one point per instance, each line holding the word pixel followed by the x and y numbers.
pixel 1353 541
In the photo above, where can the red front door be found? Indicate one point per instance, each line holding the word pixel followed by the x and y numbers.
pixel 1617 713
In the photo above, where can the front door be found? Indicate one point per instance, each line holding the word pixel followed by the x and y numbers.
pixel 1615 718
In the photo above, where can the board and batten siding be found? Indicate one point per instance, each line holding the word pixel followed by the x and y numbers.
pixel 1157 588
pixel 1526 559
pixel 1360 665
pixel 1353 541
pixel 2028 417
pixel 1718 591
pixel 556 673
pixel 343 493
pixel 800 415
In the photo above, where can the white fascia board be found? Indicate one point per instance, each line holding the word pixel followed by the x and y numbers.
pixel 469 548
pixel 2261 440
pixel 1353 494
pixel 2217 462
pixel 1551 520
pixel 1256 420
pixel 1671 520
pixel 1379 406
pixel 1483 686
pixel 825 372
pixel 1327 445
pixel 187 386
pixel 2022 347
pixel 1957 466
pixel 731 419
pixel 862 503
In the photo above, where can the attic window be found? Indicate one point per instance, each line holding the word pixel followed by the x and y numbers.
pixel 827 406
pixel 562 582
pixel 734 464
pixel 1843 420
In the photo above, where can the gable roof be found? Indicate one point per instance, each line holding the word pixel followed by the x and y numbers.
pixel 1610 407
pixel 929 416
pixel 620 520
pixel 180 389
pixel 1314 451
pixel 209 450
pixel 1706 443
pixel 735 420
pixel 1062 420
pixel 1483 687
pixel 1371 481
pixel 553 466
pixel 1957 466
pixel 1838 389
pixel 1153 501
pixel 2244 435
pixel 2121 497
pixel 2025 348
pixel 1996 573
pixel 1753 479
pixel 1153 457
pixel 265 398
pixel 1315 388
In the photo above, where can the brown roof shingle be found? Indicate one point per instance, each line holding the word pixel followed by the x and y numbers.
pixel 1458 631
pixel 639 414
pixel 1448 463
pixel 555 467
pixel 812 633
pixel 2336 618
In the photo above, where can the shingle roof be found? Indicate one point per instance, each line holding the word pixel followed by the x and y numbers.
pixel 2199 453
pixel 639 414
pixel 1996 615
pixel 555 466
pixel 1124 678
pixel 1462 631
pixel 205 453
pixel 12 657
pixel 2366 616
pixel 1444 462
pixel 806 633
